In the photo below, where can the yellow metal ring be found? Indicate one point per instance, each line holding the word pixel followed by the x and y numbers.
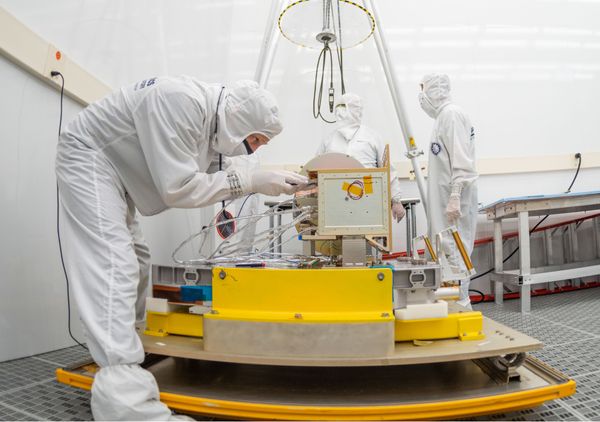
pixel 343 1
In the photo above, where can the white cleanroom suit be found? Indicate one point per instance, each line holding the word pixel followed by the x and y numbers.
pixel 147 146
pixel 359 141
pixel 452 179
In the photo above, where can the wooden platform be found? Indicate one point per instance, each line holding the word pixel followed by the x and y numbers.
pixel 499 340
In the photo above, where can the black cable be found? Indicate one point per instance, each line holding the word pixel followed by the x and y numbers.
pixel 242 206
pixel 480 293
pixel 62 260
pixel 578 156
pixel 328 14
pixel 317 101
pixel 221 169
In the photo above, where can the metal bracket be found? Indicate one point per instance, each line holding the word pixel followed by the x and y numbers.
pixel 502 369
pixel 191 276
pixel 414 153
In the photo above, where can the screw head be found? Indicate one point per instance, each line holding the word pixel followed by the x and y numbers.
pixel 222 275
pixel 385 314
pixel 380 276
pixel 298 316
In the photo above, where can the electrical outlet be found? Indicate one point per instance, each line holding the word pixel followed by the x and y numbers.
pixel 55 60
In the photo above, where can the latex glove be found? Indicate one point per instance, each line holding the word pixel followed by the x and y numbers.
pixel 276 182
pixel 398 211
pixel 453 208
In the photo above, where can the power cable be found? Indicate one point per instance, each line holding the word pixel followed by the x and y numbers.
pixel 480 293
pixel 317 101
pixel 55 73
pixel 578 156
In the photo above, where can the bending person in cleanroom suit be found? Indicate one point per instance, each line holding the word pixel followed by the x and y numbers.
pixel 353 138
pixel 452 180
pixel 147 147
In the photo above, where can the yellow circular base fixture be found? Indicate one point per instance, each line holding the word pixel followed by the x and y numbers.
pixel 302 21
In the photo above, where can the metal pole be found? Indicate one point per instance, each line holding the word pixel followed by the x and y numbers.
pixel 263 70
pixel 409 232
pixel 269 45
pixel 413 220
pixel 271 227
pixel 279 233
pixel 390 75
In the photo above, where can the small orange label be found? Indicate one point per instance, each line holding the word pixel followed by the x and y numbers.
pixel 58 55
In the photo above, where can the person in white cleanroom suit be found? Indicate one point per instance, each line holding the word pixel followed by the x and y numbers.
pixel 147 147
pixel 452 180
pixel 361 142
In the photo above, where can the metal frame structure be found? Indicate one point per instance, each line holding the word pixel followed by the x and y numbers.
pixel 522 208
pixel 265 63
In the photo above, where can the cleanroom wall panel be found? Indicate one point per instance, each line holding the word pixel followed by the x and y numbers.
pixel 33 302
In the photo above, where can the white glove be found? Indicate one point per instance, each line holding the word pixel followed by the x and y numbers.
pixel 398 211
pixel 274 182
pixel 453 208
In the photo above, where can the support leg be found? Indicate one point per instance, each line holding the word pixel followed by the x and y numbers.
pixel 574 246
pixel 526 298
pixel 596 235
pixel 524 261
pixel 549 252
pixel 596 231
pixel 498 264
pixel 498 292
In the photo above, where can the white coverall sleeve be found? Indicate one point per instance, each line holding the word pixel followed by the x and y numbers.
pixel 394 182
pixel 457 138
pixel 169 127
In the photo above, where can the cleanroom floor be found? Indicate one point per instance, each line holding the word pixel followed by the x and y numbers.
pixel 567 323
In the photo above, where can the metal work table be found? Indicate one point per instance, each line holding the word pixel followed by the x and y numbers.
pixel 522 208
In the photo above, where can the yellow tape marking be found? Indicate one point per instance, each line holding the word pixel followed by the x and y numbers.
pixel 353 189
pixel 368 180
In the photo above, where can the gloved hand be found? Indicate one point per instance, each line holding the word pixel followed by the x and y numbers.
pixel 453 208
pixel 276 182
pixel 398 211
